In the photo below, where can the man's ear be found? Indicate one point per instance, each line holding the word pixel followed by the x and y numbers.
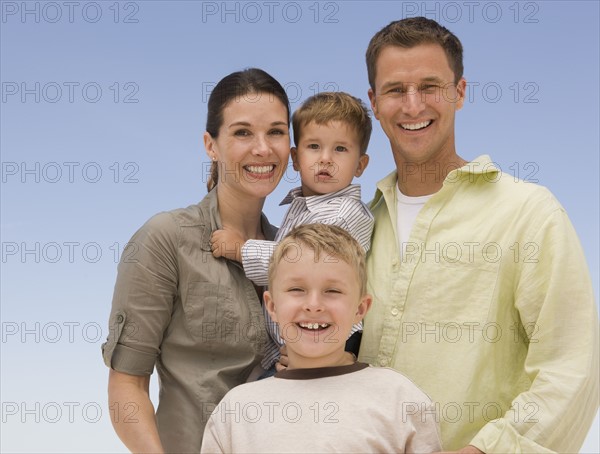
pixel 371 94
pixel 294 153
pixel 363 308
pixel 270 305
pixel 461 92
pixel 363 162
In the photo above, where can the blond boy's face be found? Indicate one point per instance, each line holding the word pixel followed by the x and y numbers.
pixel 328 157
pixel 315 302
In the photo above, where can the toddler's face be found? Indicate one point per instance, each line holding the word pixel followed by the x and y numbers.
pixel 328 157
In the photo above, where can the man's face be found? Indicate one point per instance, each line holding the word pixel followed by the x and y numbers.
pixel 415 100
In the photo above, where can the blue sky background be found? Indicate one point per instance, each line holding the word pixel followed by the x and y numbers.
pixel 112 133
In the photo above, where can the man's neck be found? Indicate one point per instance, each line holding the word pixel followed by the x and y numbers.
pixel 418 179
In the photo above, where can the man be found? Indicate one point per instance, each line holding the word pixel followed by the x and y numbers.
pixel 486 301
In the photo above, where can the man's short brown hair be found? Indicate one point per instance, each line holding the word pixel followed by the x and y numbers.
pixel 412 32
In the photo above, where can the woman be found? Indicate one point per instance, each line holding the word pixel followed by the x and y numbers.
pixel 197 318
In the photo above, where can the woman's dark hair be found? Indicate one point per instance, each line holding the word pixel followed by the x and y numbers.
pixel 237 85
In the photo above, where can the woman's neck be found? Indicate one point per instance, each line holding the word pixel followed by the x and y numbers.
pixel 241 214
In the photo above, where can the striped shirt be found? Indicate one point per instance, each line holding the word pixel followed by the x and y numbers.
pixel 343 208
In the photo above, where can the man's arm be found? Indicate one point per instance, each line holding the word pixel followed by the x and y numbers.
pixel 554 297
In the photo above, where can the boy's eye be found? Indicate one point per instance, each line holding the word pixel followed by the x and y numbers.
pixel 295 290
pixel 333 290
pixel 340 148
pixel 313 146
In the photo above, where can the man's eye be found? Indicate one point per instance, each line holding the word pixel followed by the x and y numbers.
pixel 428 88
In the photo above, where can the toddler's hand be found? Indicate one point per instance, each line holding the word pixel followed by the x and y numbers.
pixel 228 244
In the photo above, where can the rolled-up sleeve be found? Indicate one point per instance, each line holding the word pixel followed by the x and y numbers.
pixel 143 297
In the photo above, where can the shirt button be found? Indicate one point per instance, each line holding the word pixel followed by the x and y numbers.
pixel 384 362
pixel 395 311
pixel 120 318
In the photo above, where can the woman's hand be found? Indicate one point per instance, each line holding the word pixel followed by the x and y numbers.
pixel 228 244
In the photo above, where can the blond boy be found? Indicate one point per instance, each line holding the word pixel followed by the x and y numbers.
pixel 324 401
pixel 331 134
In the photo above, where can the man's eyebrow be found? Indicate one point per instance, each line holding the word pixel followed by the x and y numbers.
pixel 432 79
pixel 390 84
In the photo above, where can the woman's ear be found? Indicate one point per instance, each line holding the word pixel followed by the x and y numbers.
pixel 210 146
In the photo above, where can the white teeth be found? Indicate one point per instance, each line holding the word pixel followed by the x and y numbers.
pixel 415 126
pixel 314 325
pixel 260 169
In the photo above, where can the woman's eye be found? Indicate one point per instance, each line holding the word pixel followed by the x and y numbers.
pixel 242 132
pixel 277 132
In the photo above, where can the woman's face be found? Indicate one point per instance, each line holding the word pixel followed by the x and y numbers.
pixel 253 145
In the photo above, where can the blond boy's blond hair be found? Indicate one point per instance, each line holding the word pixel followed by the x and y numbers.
pixel 330 240
pixel 326 107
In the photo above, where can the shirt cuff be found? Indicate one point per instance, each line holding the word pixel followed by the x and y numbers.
pixel 499 436
pixel 134 362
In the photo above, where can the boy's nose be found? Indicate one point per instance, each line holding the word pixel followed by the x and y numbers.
pixel 326 156
pixel 313 303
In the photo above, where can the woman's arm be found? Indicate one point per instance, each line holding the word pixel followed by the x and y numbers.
pixel 132 412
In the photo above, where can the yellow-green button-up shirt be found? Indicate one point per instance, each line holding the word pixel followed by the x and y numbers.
pixel 490 311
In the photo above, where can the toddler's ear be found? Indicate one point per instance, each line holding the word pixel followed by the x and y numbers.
pixel 294 153
pixel 270 305
pixel 363 307
pixel 363 162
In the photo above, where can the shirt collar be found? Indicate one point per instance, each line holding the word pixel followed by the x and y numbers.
pixel 352 191
pixel 481 165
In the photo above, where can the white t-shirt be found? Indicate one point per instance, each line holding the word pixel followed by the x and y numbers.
pixel 408 210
